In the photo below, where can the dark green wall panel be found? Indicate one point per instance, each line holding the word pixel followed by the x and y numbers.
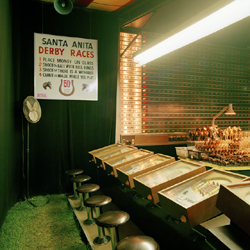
pixel 67 130
pixel 10 133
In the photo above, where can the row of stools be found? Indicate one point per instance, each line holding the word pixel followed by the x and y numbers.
pixel 110 219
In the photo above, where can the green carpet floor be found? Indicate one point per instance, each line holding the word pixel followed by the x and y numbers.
pixel 51 224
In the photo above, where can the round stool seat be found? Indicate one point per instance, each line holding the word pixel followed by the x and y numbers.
pixel 97 201
pixel 80 178
pixel 141 242
pixel 88 188
pixel 112 219
pixel 74 171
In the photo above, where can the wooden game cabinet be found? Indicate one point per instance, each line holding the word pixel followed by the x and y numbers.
pixel 100 158
pixel 193 201
pixel 102 150
pixel 112 164
pixel 234 201
pixel 148 184
pixel 127 172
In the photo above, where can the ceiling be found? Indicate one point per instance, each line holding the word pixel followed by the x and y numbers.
pixel 169 16
pixel 103 5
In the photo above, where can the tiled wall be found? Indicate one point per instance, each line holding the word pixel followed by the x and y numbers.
pixel 186 89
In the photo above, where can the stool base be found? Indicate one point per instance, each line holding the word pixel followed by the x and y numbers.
pixel 89 222
pixel 102 241
pixel 74 197
pixel 81 208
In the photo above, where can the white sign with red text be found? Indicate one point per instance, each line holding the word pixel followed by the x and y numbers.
pixel 66 68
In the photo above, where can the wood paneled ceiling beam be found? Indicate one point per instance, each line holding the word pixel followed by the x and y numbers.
pixel 136 36
pixel 140 9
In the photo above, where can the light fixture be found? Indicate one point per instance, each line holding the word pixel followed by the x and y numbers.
pixel 231 13
pixel 63 7
pixel 229 109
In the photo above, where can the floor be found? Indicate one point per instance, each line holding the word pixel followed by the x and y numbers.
pixel 91 232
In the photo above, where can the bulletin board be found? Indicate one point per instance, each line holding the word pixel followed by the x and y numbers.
pixel 65 68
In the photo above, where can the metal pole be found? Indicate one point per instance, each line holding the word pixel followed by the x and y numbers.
pixel 113 237
pixel 28 151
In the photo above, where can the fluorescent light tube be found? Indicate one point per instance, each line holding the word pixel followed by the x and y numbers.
pixel 231 13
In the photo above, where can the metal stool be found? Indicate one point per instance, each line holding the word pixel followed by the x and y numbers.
pixel 112 220
pixel 74 172
pixel 141 242
pixel 79 179
pixel 97 202
pixel 86 189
